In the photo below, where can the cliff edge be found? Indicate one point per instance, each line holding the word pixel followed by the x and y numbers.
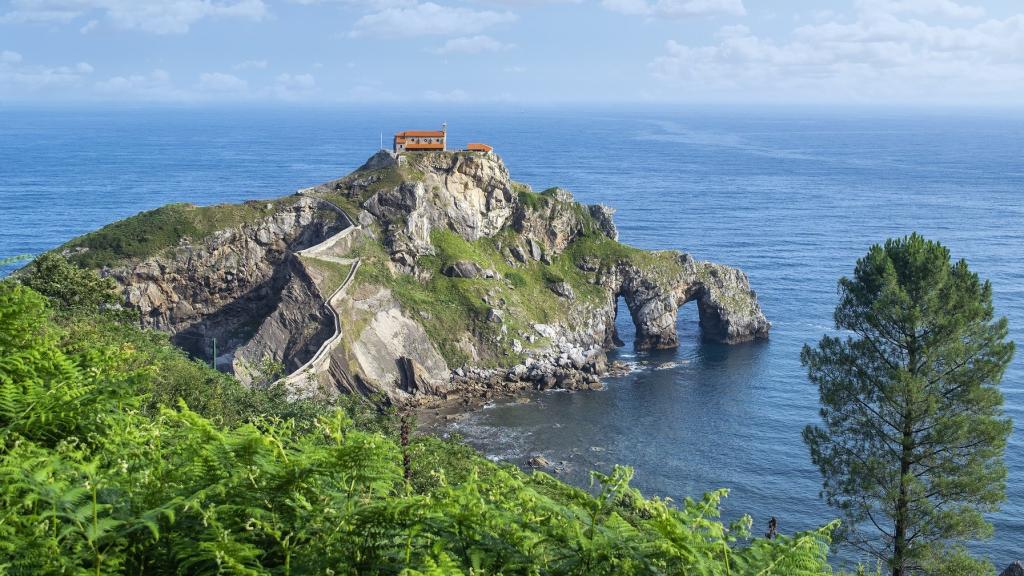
pixel 424 276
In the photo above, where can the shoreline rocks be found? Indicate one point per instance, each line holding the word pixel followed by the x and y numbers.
pixel 1015 568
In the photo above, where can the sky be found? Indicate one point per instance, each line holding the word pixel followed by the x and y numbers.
pixel 734 52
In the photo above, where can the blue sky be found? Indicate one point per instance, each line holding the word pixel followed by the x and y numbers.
pixel 915 52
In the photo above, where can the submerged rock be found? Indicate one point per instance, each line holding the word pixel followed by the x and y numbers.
pixel 1014 569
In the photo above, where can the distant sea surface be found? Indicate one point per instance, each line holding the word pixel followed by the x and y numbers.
pixel 791 197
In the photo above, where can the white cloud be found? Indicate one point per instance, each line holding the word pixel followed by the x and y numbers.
pixel 472 45
pixel 427 18
pixel 456 95
pixel 368 5
pixel 291 87
pixel 675 8
pixel 369 93
pixel 945 8
pixel 156 85
pixel 251 65
pixel 157 16
pixel 9 57
pixel 37 15
pixel 19 78
pixel 88 26
pixel 296 81
pixel 881 54
pixel 531 2
pixel 220 82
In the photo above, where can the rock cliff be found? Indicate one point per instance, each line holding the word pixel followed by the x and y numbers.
pixel 239 290
pixel 422 276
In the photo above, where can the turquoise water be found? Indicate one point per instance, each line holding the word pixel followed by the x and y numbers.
pixel 793 198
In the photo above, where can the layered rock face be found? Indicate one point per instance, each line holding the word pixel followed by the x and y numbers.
pixel 232 285
pixel 468 194
pixel 726 304
pixel 465 282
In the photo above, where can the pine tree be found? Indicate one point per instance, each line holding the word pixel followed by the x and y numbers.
pixel 911 450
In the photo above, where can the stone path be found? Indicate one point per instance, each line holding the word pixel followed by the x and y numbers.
pixel 319 361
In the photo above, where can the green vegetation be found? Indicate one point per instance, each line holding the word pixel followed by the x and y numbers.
pixel 70 287
pixel 151 232
pixel 363 184
pixel 447 306
pixel 530 199
pixel 912 445
pixel 334 273
pixel 98 478
pixel 444 306
pixel 81 308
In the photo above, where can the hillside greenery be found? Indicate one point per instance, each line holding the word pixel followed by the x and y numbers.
pixel 148 233
pixel 119 455
pixel 332 273
pixel 446 306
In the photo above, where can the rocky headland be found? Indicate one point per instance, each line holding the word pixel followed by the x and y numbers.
pixel 425 277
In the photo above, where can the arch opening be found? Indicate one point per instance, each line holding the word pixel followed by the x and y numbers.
pixel 629 330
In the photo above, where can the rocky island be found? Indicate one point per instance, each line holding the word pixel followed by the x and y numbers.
pixel 427 277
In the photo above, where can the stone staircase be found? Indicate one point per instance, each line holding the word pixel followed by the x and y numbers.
pixel 328 250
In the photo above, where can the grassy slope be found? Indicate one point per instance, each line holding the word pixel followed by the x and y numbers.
pixel 333 273
pixel 450 307
pixel 371 182
pixel 148 233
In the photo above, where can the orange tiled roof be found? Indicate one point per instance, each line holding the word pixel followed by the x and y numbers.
pixel 420 134
pixel 478 147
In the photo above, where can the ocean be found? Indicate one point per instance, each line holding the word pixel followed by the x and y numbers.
pixel 792 197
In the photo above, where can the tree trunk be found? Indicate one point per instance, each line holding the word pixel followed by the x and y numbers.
pixel 900 533
pixel 899 556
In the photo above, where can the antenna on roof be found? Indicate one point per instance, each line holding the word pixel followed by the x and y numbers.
pixel 444 127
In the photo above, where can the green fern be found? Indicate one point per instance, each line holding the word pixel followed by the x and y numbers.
pixel 96 479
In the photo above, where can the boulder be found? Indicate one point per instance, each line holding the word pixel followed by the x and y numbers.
pixel 562 289
pixel 536 252
pixel 589 264
pixel 538 462
pixel 518 253
pixel 1014 569
pixel 545 330
pixel 414 377
pixel 464 269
